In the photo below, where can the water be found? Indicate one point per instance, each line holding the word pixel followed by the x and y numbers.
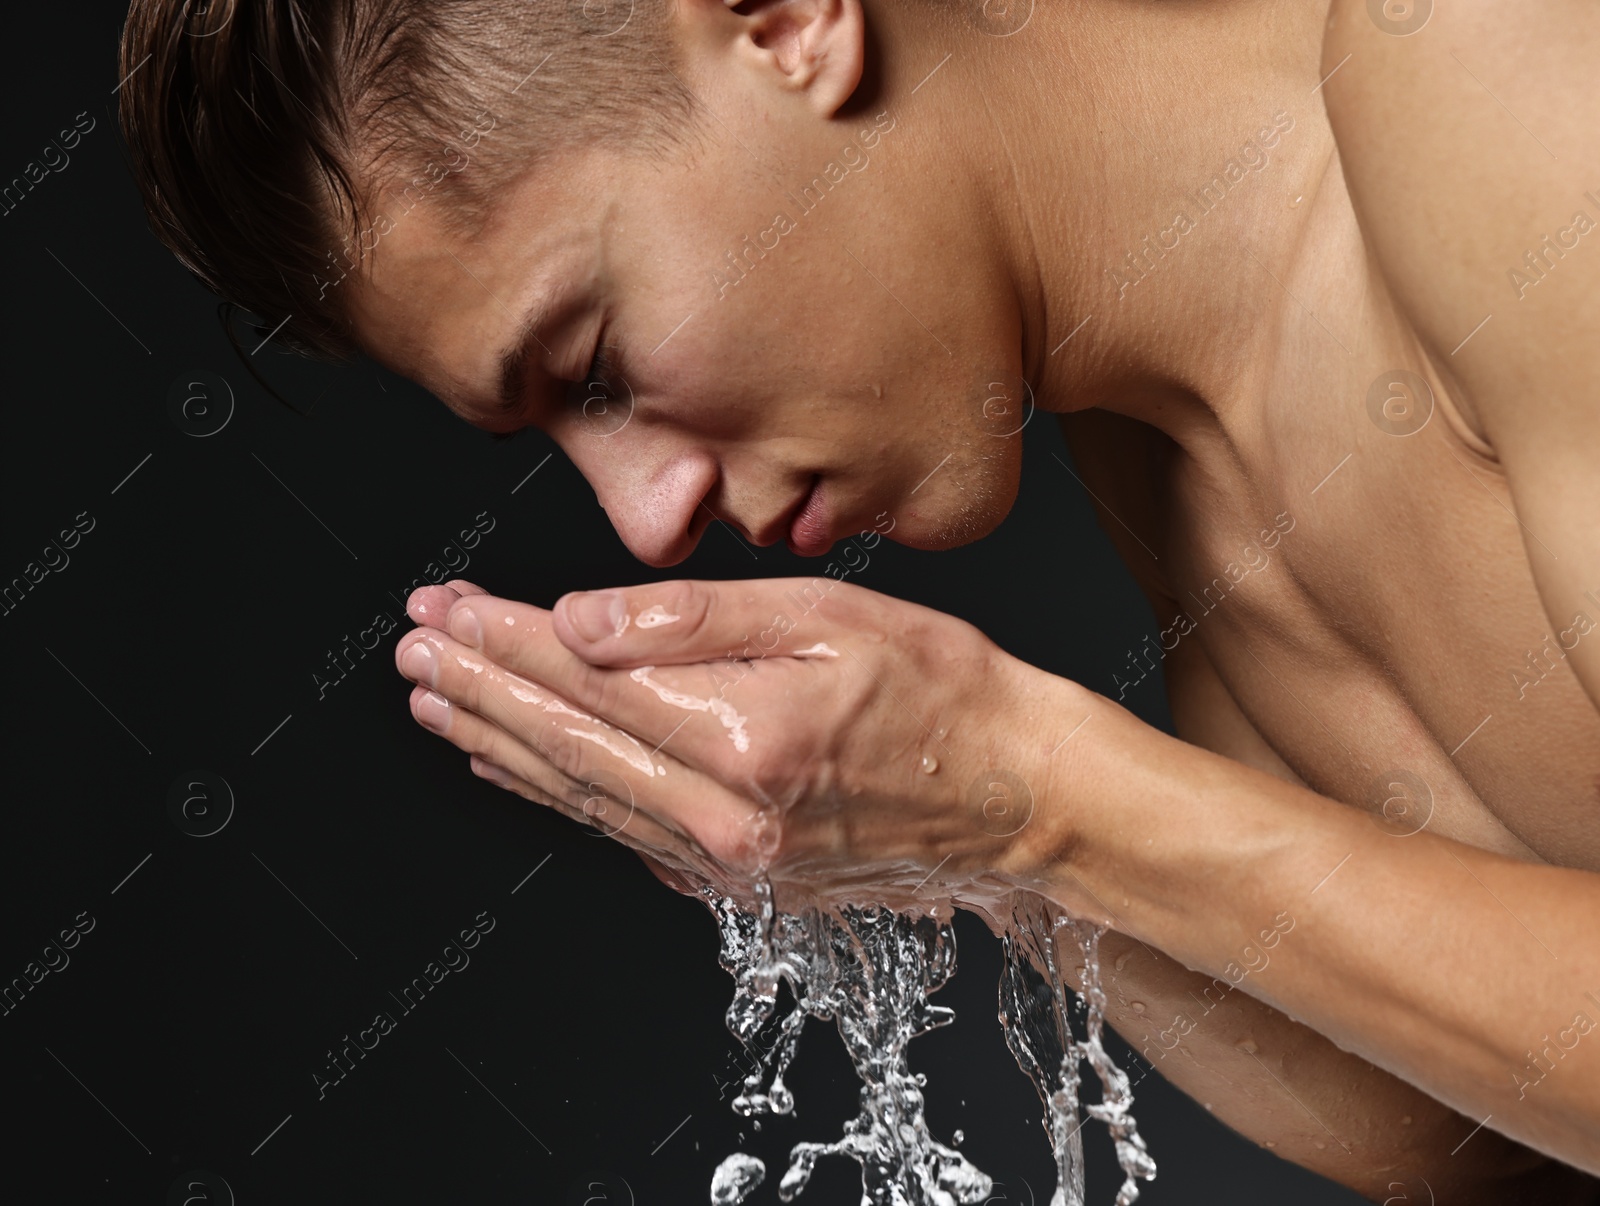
pixel 872 971
pixel 1035 1011
pixel 735 1178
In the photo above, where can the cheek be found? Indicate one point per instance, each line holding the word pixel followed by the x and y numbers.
pixel 706 390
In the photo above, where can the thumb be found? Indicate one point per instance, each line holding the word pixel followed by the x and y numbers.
pixel 682 622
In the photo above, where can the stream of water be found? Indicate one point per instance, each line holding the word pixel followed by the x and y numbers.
pixel 872 971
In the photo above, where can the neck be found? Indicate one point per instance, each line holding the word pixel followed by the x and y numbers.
pixel 1153 175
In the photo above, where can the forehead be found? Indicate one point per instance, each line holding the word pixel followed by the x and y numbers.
pixel 438 306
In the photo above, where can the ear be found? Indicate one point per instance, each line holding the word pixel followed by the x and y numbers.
pixel 813 48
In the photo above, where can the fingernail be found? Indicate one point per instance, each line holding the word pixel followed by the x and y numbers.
pixel 598 614
pixel 464 625
pixel 433 712
pixel 418 663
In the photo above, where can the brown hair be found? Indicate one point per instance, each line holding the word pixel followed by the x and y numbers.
pixel 263 132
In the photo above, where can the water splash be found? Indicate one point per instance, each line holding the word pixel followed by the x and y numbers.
pixel 871 971
pixel 1034 1013
pixel 1034 1009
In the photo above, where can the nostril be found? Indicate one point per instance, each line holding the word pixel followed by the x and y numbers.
pixel 655 506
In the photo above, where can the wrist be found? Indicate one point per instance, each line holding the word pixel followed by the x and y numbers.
pixel 1059 739
pixel 1127 818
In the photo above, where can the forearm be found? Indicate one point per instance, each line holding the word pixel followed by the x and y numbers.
pixel 1292 1091
pixel 1459 971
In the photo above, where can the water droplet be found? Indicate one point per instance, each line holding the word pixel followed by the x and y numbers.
pixel 1248 1046
pixel 735 1178
pixel 930 764
pixel 956 1138
pixel 1138 1007
pixel 1298 198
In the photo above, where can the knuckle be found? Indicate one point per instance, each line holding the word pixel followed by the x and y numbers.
pixel 508 632
pixel 465 688
pixel 759 769
pixel 601 690
pixel 565 758
pixel 695 601
pixel 731 845
pixel 780 769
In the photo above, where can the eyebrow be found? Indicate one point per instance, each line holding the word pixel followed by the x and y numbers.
pixel 513 360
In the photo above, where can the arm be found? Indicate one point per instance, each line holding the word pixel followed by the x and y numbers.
pixel 1462 972
pixel 1279 1082
pixel 816 756
pixel 1294 1092
pixel 1275 1081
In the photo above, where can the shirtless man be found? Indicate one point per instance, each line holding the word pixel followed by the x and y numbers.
pixel 1313 288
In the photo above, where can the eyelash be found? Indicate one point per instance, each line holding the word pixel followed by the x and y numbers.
pixel 601 369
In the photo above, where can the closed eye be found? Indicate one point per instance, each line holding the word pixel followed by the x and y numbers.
pixel 596 386
pixel 598 382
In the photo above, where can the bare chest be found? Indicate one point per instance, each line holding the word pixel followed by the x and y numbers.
pixel 1357 576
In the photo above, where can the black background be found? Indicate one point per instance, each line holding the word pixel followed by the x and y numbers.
pixel 582 1054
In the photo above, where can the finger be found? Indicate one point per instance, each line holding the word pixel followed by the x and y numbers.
pixel 657 704
pixel 430 604
pixel 695 621
pixel 499 759
pixel 575 742
pixel 678 879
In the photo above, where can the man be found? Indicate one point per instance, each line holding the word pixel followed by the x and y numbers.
pixel 1313 288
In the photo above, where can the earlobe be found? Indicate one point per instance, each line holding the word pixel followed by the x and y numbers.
pixel 817 48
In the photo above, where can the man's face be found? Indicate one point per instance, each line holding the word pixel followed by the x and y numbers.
pixel 854 360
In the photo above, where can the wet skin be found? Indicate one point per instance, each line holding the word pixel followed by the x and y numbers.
pixel 1437 966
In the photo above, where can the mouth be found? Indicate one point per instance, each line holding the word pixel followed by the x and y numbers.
pixel 810 529
pixel 804 525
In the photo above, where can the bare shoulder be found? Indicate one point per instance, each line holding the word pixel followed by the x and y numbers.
pixel 1469 134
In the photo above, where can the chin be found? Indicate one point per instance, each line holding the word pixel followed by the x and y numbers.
pixel 952 528
pixel 952 535
pixel 958 518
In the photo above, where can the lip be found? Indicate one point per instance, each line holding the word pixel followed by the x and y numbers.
pixel 810 529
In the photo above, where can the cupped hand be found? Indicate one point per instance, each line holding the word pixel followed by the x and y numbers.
pixel 851 745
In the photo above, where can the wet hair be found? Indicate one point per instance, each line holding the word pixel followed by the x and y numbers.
pixel 275 142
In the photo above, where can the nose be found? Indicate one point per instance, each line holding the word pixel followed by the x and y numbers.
pixel 654 502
